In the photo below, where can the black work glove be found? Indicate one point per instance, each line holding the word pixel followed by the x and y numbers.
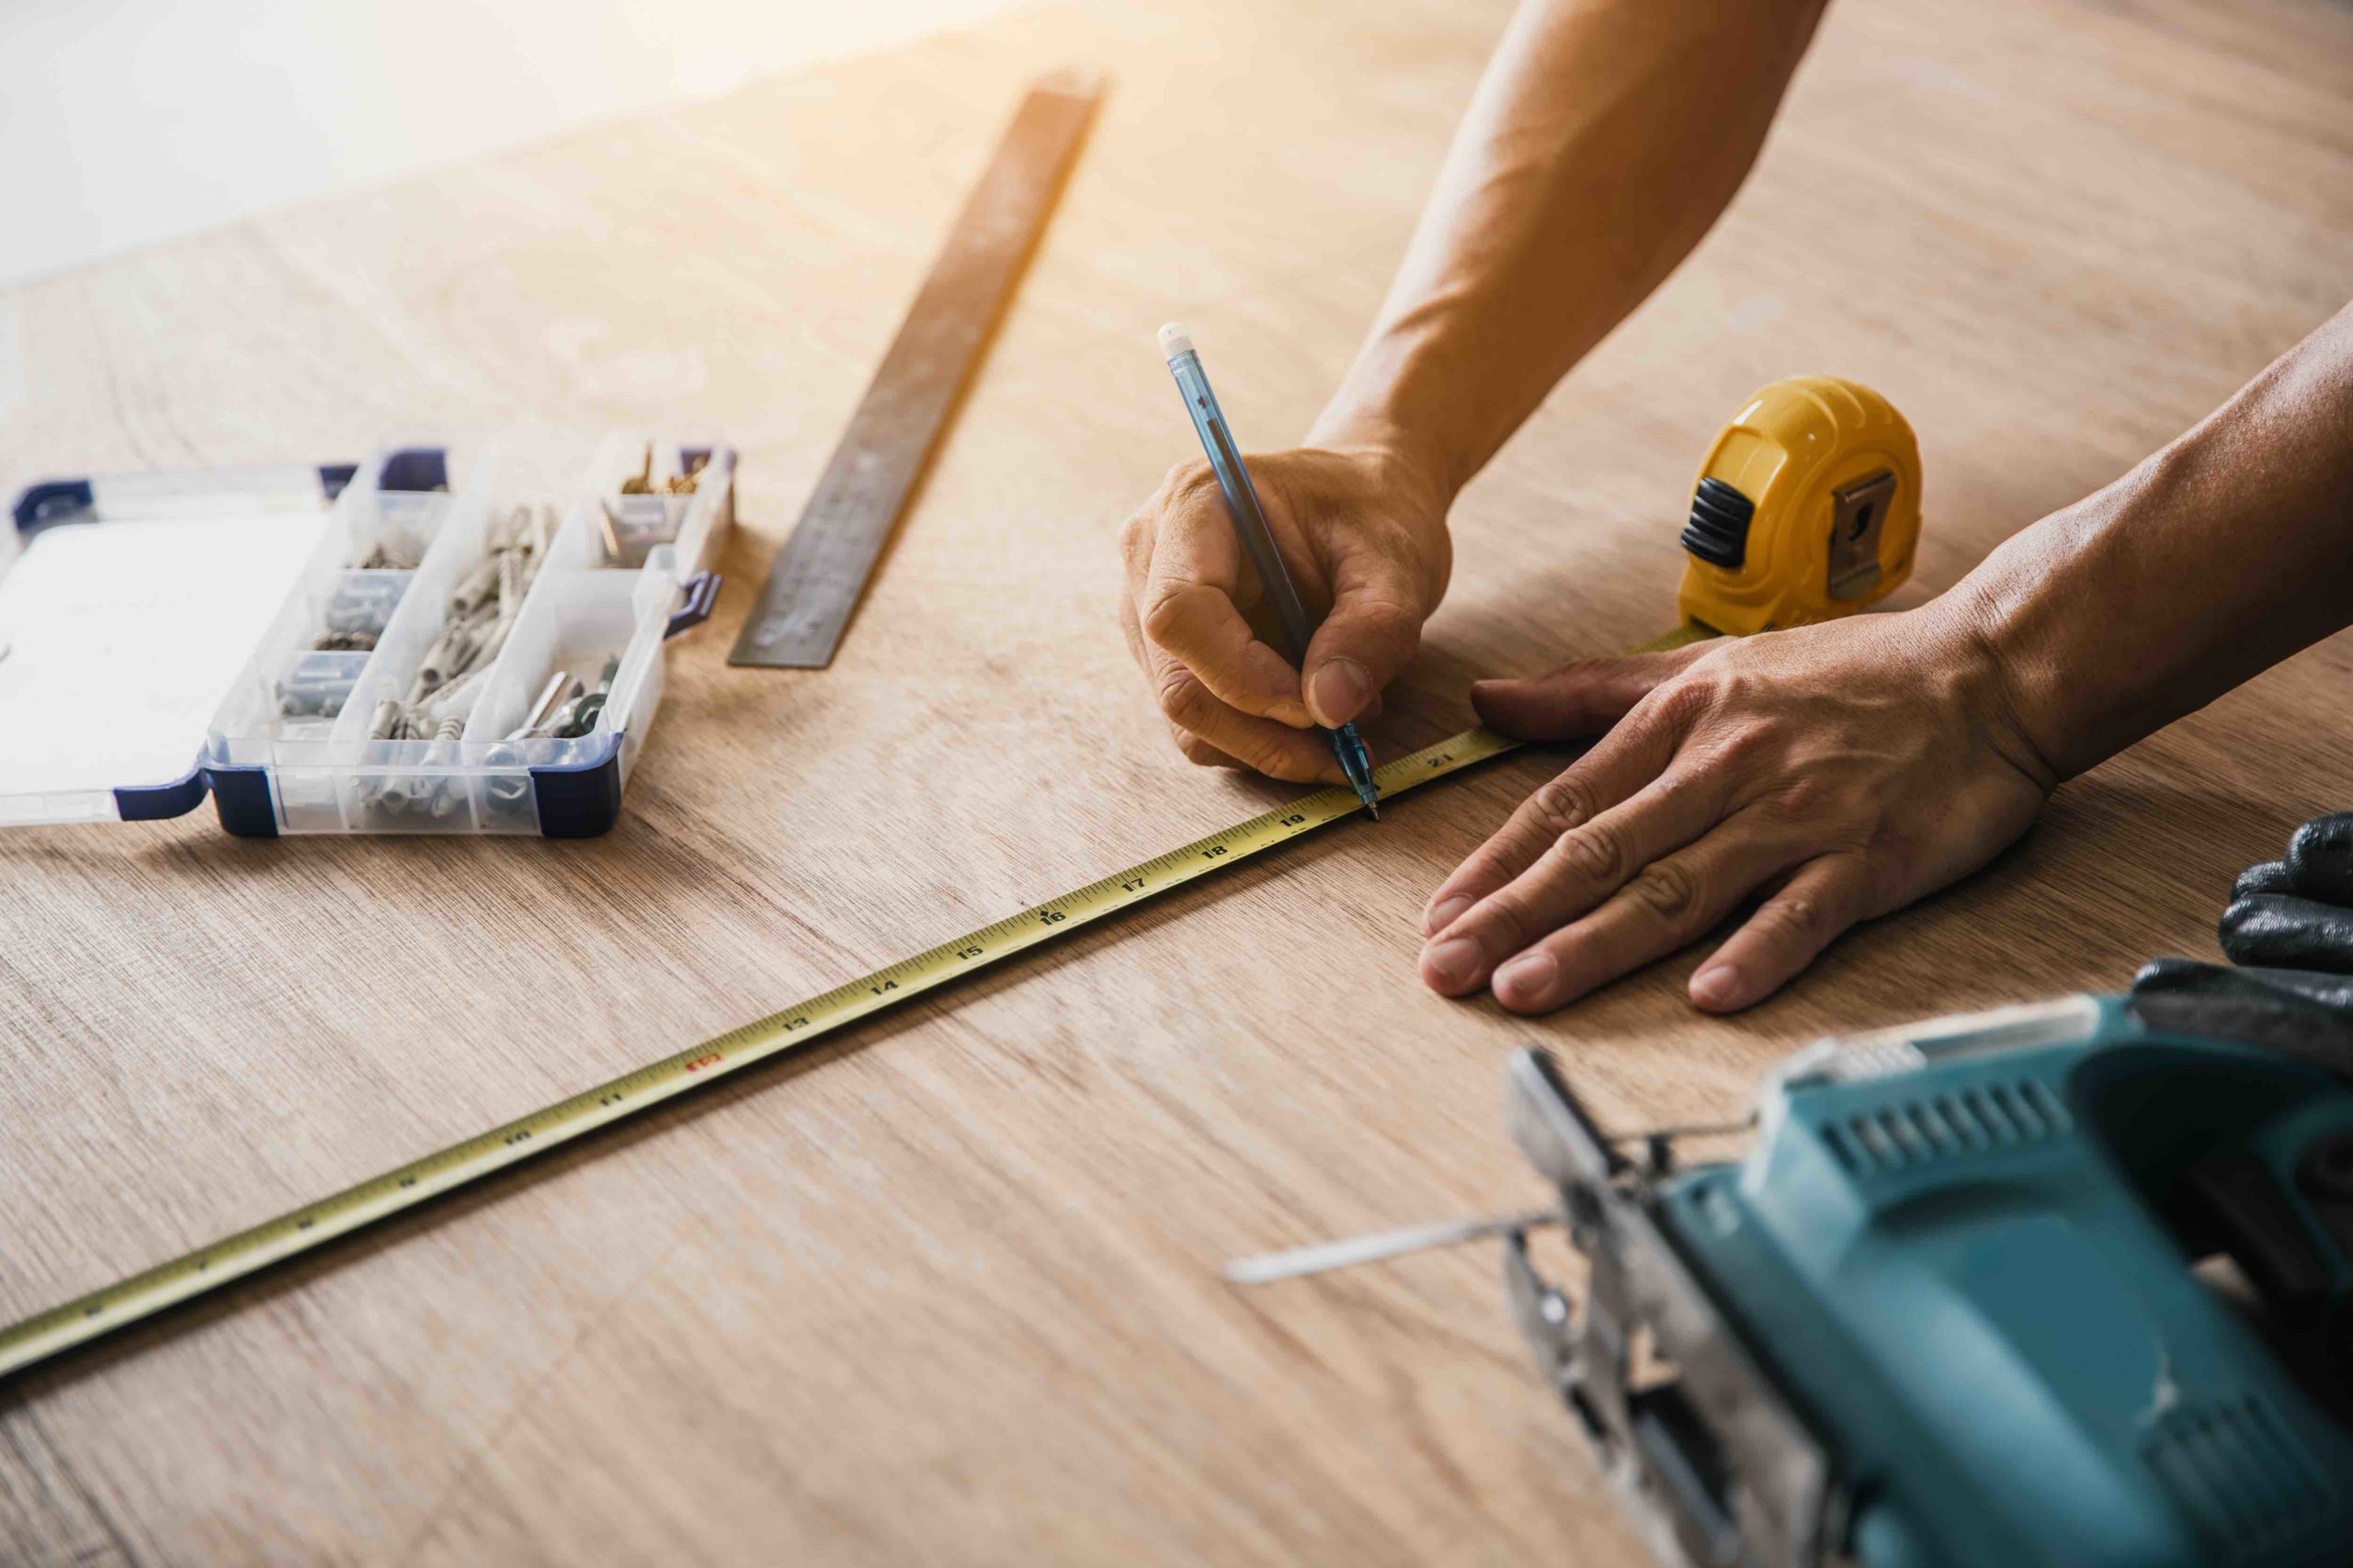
pixel 2289 929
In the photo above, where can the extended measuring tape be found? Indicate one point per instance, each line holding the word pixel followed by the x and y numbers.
pixel 1808 507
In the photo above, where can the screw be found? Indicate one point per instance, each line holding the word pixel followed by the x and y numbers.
pixel 508 792
pixel 579 716
pixel 560 687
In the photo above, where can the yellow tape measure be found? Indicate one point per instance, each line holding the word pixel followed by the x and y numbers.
pixel 1795 505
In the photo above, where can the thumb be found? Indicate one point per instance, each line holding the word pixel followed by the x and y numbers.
pixel 1578 699
pixel 1372 633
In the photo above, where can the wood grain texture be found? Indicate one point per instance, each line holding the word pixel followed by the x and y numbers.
pixel 948 1292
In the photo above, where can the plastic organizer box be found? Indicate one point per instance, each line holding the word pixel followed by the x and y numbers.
pixel 441 640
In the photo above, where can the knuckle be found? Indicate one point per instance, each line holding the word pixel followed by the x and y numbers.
pixel 1505 919
pixel 1266 754
pixel 1484 868
pixel 1807 914
pixel 1740 688
pixel 1169 610
pixel 1746 748
pixel 1681 787
pixel 1562 804
pixel 1682 700
pixel 1187 479
pixel 1183 701
pixel 1802 798
pixel 1796 921
pixel 1394 627
pixel 1383 613
pixel 1594 852
pixel 1670 891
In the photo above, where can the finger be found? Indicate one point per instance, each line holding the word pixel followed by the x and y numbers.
pixel 1186 609
pixel 2320 858
pixel 1673 903
pixel 1371 635
pixel 1576 871
pixel 1192 747
pixel 1577 700
pixel 2228 982
pixel 1825 896
pixel 1624 761
pixel 1200 753
pixel 1261 744
pixel 2282 931
pixel 2269 876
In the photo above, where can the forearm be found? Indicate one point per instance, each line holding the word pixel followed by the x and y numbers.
pixel 2218 557
pixel 1604 140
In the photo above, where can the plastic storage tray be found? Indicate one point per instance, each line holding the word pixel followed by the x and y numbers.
pixel 132 684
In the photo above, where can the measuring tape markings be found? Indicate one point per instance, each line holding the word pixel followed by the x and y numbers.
pixel 763 1039
pixel 780 1034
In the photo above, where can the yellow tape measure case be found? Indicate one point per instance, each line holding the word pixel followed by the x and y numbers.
pixel 1807 508
pixel 457 638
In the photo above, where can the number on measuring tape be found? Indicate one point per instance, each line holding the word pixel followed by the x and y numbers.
pixel 72 1322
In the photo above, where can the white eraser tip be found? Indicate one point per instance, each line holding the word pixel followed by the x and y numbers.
pixel 1174 340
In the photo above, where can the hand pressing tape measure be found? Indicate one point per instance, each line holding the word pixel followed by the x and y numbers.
pixel 1808 507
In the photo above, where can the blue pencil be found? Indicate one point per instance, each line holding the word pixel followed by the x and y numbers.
pixel 1257 539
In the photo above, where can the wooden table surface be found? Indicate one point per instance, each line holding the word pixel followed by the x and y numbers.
pixel 948 1292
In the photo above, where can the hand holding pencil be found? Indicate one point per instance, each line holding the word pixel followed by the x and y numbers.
pixel 1354 528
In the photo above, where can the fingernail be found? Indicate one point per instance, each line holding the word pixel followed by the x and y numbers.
pixel 1528 980
pixel 1716 987
pixel 1445 914
pixel 1338 692
pixel 1452 963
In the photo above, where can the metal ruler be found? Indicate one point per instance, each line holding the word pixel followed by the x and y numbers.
pixel 781 1033
pixel 819 575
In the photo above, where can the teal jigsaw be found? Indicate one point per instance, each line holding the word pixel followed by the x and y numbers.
pixel 1956 1304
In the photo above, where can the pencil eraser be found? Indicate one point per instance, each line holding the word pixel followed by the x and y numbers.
pixel 1174 340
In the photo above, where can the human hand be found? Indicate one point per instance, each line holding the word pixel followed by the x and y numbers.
pixel 1843 769
pixel 1363 534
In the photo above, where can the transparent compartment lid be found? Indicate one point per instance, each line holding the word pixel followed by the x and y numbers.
pixel 125 617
